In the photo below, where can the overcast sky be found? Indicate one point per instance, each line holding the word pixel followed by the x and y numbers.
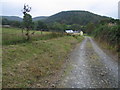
pixel 50 7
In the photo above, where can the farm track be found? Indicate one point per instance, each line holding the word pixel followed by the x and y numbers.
pixel 90 68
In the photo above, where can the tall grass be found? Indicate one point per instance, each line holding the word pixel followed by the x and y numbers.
pixel 108 34
pixel 14 36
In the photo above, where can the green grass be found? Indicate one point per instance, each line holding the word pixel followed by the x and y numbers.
pixel 12 36
pixel 27 64
pixel 109 35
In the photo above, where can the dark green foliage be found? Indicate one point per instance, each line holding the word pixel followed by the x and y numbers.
pixel 109 32
pixel 66 17
pixel 57 27
pixel 40 18
pixel 27 24
pixel 75 27
pixel 75 17
pixel 16 24
pixel 27 21
pixel 39 25
pixel 75 20
pixel 11 23
pixel 5 21
pixel 89 28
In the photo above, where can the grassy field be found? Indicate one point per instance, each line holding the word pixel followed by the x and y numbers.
pixel 29 64
pixel 15 36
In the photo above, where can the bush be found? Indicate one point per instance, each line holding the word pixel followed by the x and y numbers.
pixel 109 34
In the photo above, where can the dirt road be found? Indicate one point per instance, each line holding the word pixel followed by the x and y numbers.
pixel 90 67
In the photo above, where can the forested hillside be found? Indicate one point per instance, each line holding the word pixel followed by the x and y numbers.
pixel 66 17
pixel 12 18
pixel 75 17
pixel 40 18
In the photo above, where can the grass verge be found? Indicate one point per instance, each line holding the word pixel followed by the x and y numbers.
pixel 29 64
pixel 110 50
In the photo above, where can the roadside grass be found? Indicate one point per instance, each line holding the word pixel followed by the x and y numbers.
pixel 27 64
pixel 110 50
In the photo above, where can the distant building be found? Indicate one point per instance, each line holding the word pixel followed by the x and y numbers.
pixel 69 31
pixel 75 31
pixel 81 33
pixel 6 26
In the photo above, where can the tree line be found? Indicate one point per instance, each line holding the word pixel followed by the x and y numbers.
pixel 40 25
pixel 107 31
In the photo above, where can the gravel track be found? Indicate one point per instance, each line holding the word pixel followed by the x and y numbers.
pixel 91 68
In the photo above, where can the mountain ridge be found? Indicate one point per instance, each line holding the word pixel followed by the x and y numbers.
pixel 12 18
pixel 68 17
pixel 78 16
pixel 17 18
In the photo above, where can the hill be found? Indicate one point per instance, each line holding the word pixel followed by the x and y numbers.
pixel 75 17
pixel 16 18
pixel 40 18
pixel 66 17
pixel 12 18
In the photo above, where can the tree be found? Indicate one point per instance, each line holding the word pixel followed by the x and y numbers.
pixel 15 24
pixel 41 26
pixel 27 20
pixel 58 27
pixel 90 27
pixel 5 21
pixel 75 27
